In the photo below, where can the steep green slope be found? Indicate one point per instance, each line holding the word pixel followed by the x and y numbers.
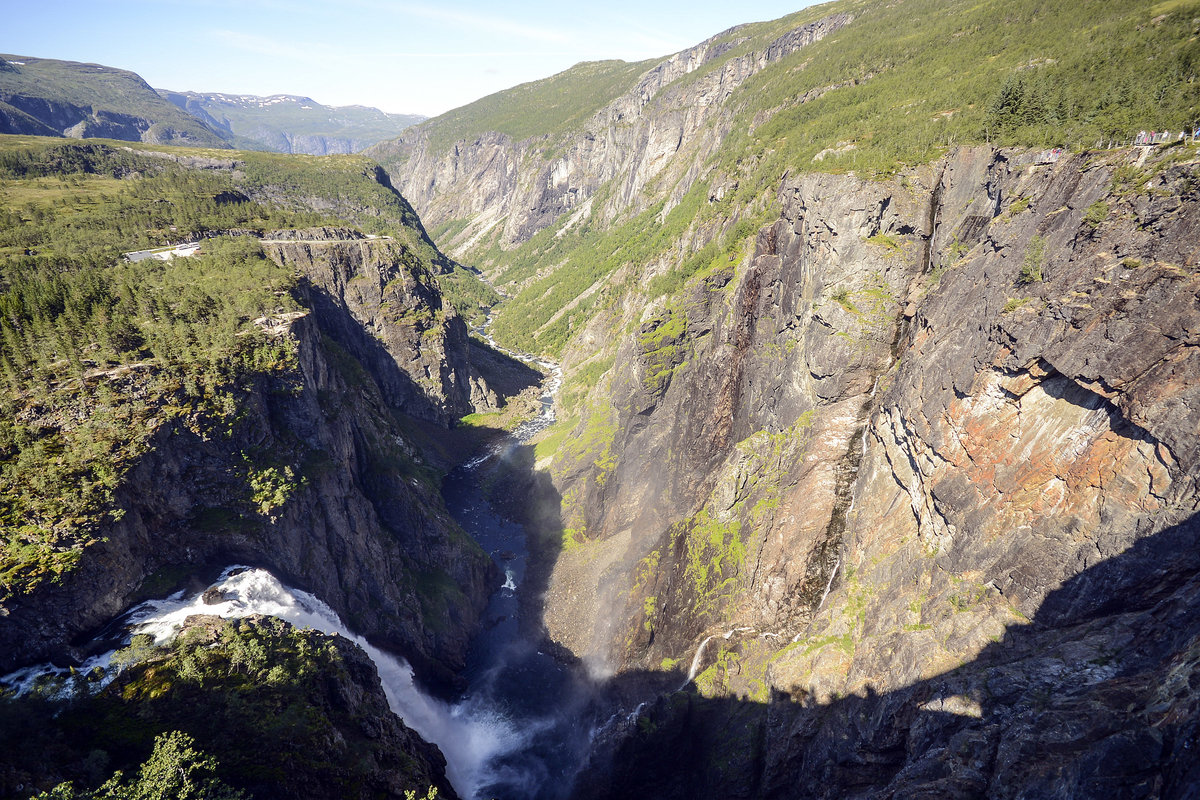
pixel 928 75
pixel 72 310
pixel 556 105
pixel 895 86
pixel 48 97
pixel 97 354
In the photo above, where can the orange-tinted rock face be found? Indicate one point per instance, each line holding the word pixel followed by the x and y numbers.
pixel 942 493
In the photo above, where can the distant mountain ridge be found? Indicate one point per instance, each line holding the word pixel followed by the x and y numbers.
pixel 291 123
pixel 50 97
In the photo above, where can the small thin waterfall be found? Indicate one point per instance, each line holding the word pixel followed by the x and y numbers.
pixel 829 584
pixel 697 660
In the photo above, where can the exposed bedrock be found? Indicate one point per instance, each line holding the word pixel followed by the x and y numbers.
pixel 354 514
pixel 634 140
pixel 938 434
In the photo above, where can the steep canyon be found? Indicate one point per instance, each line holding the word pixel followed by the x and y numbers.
pixel 906 500
pixel 874 463
pixel 897 488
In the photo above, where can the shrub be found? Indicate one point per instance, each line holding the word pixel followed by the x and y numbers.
pixel 1096 213
pixel 1035 254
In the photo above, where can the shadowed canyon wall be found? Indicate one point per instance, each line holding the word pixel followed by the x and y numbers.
pixel 885 443
pixel 349 508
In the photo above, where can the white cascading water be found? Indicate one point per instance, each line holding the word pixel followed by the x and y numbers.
pixel 470 737
pixel 697 660
pixel 473 736
pixel 26 680
pixel 829 584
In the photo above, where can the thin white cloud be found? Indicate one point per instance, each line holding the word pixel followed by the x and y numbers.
pixel 243 5
pixel 486 22
pixel 266 46
pixel 637 40
pixel 650 45
pixel 461 54
pixel 469 19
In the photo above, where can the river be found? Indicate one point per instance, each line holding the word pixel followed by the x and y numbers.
pixel 521 728
pixel 507 674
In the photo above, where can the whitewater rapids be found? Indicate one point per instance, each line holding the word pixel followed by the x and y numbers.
pixel 469 735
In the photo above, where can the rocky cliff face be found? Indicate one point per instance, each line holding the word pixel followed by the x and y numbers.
pixel 39 116
pixel 340 501
pixel 635 138
pixel 910 491
pixel 382 304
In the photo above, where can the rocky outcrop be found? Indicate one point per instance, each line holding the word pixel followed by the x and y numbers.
pixel 323 145
pixel 489 181
pixel 40 116
pixel 276 711
pixel 380 302
pixel 937 502
pixel 317 479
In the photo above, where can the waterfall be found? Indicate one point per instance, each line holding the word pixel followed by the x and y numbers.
pixel 469 735
pixel 829 584
pixel 28 679
pixel 696 660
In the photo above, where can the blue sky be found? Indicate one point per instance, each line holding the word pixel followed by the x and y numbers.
pixel 421 57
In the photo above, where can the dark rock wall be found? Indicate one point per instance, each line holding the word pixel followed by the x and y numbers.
pixel 922 473
pixel 363 526
pixel 382 304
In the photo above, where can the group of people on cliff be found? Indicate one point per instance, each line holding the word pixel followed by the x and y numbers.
pixel 1162 137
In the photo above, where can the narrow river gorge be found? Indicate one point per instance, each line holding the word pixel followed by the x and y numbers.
pixel 522 725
